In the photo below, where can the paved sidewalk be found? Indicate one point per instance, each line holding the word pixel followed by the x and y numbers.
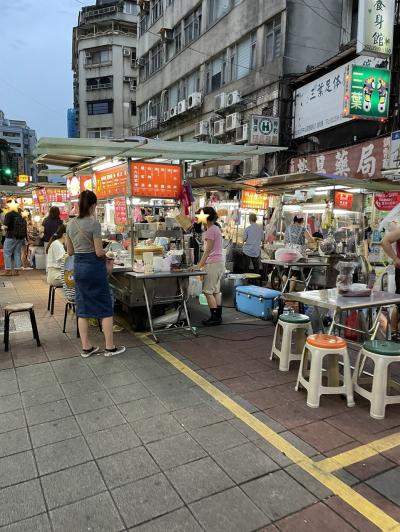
pixel 130 443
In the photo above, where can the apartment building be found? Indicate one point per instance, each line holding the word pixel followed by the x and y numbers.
pixel 105 69
pixel 208 67
pixel 21 140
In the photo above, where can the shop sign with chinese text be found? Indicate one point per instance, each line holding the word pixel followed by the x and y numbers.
pixel 375 27
pixel 367 92
pixel 364 160
pixel 319 104
pixel 254 200
pixel 387 200
pixel 343 200
pixel 56 195
pixel 77 184
pixel 111 182
pixel 264 130
pixel 156 180
pixel 120 213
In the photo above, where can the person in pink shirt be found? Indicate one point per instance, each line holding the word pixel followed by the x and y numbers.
pixel 214 264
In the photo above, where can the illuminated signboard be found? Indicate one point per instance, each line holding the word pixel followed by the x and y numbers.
pixel 156 180
pixel 111 182
pixel 367 92
pixel 375 27
pixel 343 200
pixel 253 200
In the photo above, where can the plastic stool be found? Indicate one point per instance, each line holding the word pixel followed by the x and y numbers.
pixel 286 326
pixel 14 309
pixel 318 346
pixel 383 353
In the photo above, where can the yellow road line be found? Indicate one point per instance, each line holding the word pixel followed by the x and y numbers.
pixel 360 453
pixel 362 505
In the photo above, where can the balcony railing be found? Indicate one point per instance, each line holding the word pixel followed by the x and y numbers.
pixel 99 86
pixel 149 127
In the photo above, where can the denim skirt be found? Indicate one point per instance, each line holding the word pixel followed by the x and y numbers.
pixel 93 297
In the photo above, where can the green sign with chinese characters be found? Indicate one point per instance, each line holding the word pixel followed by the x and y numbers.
pixel 367 92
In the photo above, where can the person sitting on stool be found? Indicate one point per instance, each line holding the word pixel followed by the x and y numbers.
pixel 253 237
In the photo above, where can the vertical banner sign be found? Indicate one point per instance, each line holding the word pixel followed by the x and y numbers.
pixel 343 200
pixel 120 213
pixel 367 92
pixel 375 27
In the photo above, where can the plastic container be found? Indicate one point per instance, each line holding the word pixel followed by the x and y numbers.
pixel 257 301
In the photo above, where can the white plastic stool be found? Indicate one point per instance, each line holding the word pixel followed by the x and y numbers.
pixel 382 353
pixel 286 326
pixel 318 346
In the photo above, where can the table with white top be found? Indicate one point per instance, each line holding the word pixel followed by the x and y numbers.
pixel 178 279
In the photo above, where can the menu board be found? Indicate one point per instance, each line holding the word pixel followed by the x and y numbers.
pixel 254 200
pixel 156 180
pixel 111 182
pixel 343 200
pixel 120 212
pixel 56 195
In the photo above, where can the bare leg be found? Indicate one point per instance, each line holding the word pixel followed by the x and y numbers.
pixel 211 301
pixel 107 324
pixel 83 326
pixel 218 299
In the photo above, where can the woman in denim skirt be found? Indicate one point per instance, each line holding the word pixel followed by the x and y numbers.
pixel 93 297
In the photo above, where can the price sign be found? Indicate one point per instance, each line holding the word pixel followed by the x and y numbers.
pixel 387 200
pixel 343 200
pixel 111 182
pixel 253 200
pixel 120 213
pixel 156 180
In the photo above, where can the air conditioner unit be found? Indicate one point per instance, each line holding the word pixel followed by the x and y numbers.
pixel 232 121
pixel 242 133
pixel 126 52
pixel 201 129
pixel 173 111
pixel 220 101
pixel 219 128
pixel 165 116
pixel 233 98
pixel 88 55
pixel 182 107
pixel 195 100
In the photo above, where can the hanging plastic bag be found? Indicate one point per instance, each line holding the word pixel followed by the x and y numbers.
pixel 195 286
pixel 351 321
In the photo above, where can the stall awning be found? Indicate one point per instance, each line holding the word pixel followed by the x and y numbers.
pixel 280 184
pixel 72 153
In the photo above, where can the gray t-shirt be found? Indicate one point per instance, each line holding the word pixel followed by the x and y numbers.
pixel 253 236
pixel 81 231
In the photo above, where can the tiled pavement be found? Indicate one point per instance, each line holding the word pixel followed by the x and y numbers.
pixel 129 443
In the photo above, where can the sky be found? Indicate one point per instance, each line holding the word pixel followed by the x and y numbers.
pixel 35 62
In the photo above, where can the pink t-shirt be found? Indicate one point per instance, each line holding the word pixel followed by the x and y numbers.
pixel 214 233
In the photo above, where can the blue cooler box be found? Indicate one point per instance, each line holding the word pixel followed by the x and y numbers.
pixel 256 300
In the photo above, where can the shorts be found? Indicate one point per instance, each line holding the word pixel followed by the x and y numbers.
pixel 212 282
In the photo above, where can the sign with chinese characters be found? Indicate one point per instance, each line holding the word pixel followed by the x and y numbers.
pixel 363 161
pixel 111 182
pixel 156 180
pixel 375 27
pixel 366 92
pixel 319 104
pixel 23 179
pixel 57 195
pixel 77 184
pixel 253 200
pixel 120 212
pixel 395 150
pixel 264 130
pixel 343 200
pixel 387 200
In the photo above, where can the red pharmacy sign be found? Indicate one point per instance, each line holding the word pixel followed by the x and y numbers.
pixel 343 200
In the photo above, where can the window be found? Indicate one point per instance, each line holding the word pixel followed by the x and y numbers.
pixel 273 40
pixel 354 20
pixel 133 108
pixel 156 54
pixel 98 56
pixel 100 107
pixel 143 24
pixel 93 84
pixel 214 78
pixel 131 8
pixel 156 10
pixel 243 58
pixel 178 38
pixel 192 25
pixel 144 71
pixel 100 133
pixel 253 44
pixel 219 8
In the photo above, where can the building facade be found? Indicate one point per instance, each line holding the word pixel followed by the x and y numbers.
pixel 21 140
pixel 207 67
pixel 105 69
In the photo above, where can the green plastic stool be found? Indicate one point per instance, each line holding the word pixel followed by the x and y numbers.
pixel 294 318
pixel 383 347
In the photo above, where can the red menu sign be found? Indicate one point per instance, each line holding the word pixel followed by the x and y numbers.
pixel 120 213
pixel 56 195
pixel 156 180
pixel 387 200
pixel 111 182
pixel 253 200
pixel 343 200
